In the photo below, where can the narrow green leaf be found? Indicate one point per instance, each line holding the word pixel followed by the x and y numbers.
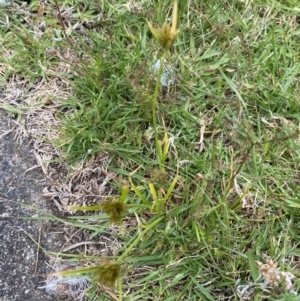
pixel 252 265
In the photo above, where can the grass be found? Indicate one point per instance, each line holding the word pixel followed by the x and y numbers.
pixel 231 121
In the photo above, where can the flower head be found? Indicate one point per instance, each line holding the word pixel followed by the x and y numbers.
pixel 115 209
pixel 166 34
pixel 274 276
pixel 108 274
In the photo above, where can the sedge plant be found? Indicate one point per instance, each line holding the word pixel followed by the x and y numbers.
pixel 109 272
pixel 166 36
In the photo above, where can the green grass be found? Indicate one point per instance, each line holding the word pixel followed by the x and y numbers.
pixel 232 120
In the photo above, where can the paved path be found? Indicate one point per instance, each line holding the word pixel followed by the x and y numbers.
pixel 20 272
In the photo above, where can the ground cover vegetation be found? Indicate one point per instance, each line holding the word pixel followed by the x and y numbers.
pixel 198 174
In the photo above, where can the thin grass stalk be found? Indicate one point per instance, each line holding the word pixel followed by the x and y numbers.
pixel 120 289
pixel 154 111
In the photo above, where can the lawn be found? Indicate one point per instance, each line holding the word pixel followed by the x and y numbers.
pixel 192 170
